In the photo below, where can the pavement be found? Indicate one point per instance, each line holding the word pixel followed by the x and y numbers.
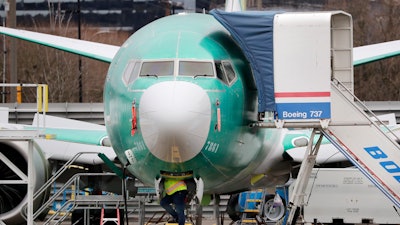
pixel 134 221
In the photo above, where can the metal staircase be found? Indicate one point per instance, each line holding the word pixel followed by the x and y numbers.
pixel 87 202
pixel 80 200
pixel 363 141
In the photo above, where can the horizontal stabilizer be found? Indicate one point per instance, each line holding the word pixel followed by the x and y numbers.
pixel 328 153
pixel 63 146
pixel 60 122
pixel 64 151
pixel 63 129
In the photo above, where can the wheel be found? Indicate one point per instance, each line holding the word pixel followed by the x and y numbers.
pixel 232 208
pixel 271 212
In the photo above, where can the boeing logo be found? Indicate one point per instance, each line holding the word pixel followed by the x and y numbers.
pixel 390 166
pixel 296 114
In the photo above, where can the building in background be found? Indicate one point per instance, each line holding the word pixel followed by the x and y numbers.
pixel 127 14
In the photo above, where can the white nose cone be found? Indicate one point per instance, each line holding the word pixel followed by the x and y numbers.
pixel 175 120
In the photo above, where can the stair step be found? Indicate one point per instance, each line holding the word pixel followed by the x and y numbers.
pixel 252 210
pixel 253 200
pixel 249 221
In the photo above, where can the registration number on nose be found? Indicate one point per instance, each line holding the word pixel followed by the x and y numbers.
pixel 212 146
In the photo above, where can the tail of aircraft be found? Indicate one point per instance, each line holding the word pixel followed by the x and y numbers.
pixel 235 5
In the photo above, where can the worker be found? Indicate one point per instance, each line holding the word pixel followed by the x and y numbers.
pixel 175 193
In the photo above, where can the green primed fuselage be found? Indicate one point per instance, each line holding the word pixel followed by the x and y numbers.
pixel 229 152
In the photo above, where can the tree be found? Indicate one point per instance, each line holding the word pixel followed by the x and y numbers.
pixel 58 69
pixel 374 22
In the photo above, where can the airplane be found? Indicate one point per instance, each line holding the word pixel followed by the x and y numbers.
pixel 179 97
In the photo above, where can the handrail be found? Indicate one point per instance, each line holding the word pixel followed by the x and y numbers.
pixel 337 83
pixel 58 173
pixel 66 204
pixel 73 179
pixel 50 181
pixel 71 204
pixel 88 202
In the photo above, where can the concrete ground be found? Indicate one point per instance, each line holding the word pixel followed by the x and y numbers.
pixel 206 221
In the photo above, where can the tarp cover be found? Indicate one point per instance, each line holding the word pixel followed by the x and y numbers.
pixel 253 31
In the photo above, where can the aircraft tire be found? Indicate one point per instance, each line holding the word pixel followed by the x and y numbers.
pixel 232 208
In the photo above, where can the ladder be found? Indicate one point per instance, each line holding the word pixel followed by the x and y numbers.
pixel 104 220
pixel 253 205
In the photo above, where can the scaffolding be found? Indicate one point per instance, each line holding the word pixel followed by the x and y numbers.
pixel 21 136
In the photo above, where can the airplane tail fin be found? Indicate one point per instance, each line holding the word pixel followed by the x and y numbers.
pixel 235 5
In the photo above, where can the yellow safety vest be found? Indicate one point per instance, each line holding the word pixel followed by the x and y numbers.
pixel 172 186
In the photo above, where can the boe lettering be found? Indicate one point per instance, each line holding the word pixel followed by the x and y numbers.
pixel 390 166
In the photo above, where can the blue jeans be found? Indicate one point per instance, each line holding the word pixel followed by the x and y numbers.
pixel 178 199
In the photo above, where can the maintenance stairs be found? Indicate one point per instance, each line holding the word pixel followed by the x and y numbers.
pixel 314 90
pixel 92 204
pixel 371 146
pixel 253 206
pixel 86 204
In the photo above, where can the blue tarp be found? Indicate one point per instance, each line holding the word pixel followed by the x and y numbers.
pixel 253 31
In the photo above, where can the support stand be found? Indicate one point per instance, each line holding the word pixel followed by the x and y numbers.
pixel 217 213
pixel 297 199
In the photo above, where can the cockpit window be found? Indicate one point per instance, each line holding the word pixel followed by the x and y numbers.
pixel 225 72
pixel 131 72
pixel 230 73
pixel 193 68
pixel 220 72
pixel 158 68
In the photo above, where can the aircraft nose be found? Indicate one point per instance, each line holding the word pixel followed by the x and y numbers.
pixel 175 120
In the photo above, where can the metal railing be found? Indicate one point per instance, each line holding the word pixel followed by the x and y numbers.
pixel 81 199
pixel 48 183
